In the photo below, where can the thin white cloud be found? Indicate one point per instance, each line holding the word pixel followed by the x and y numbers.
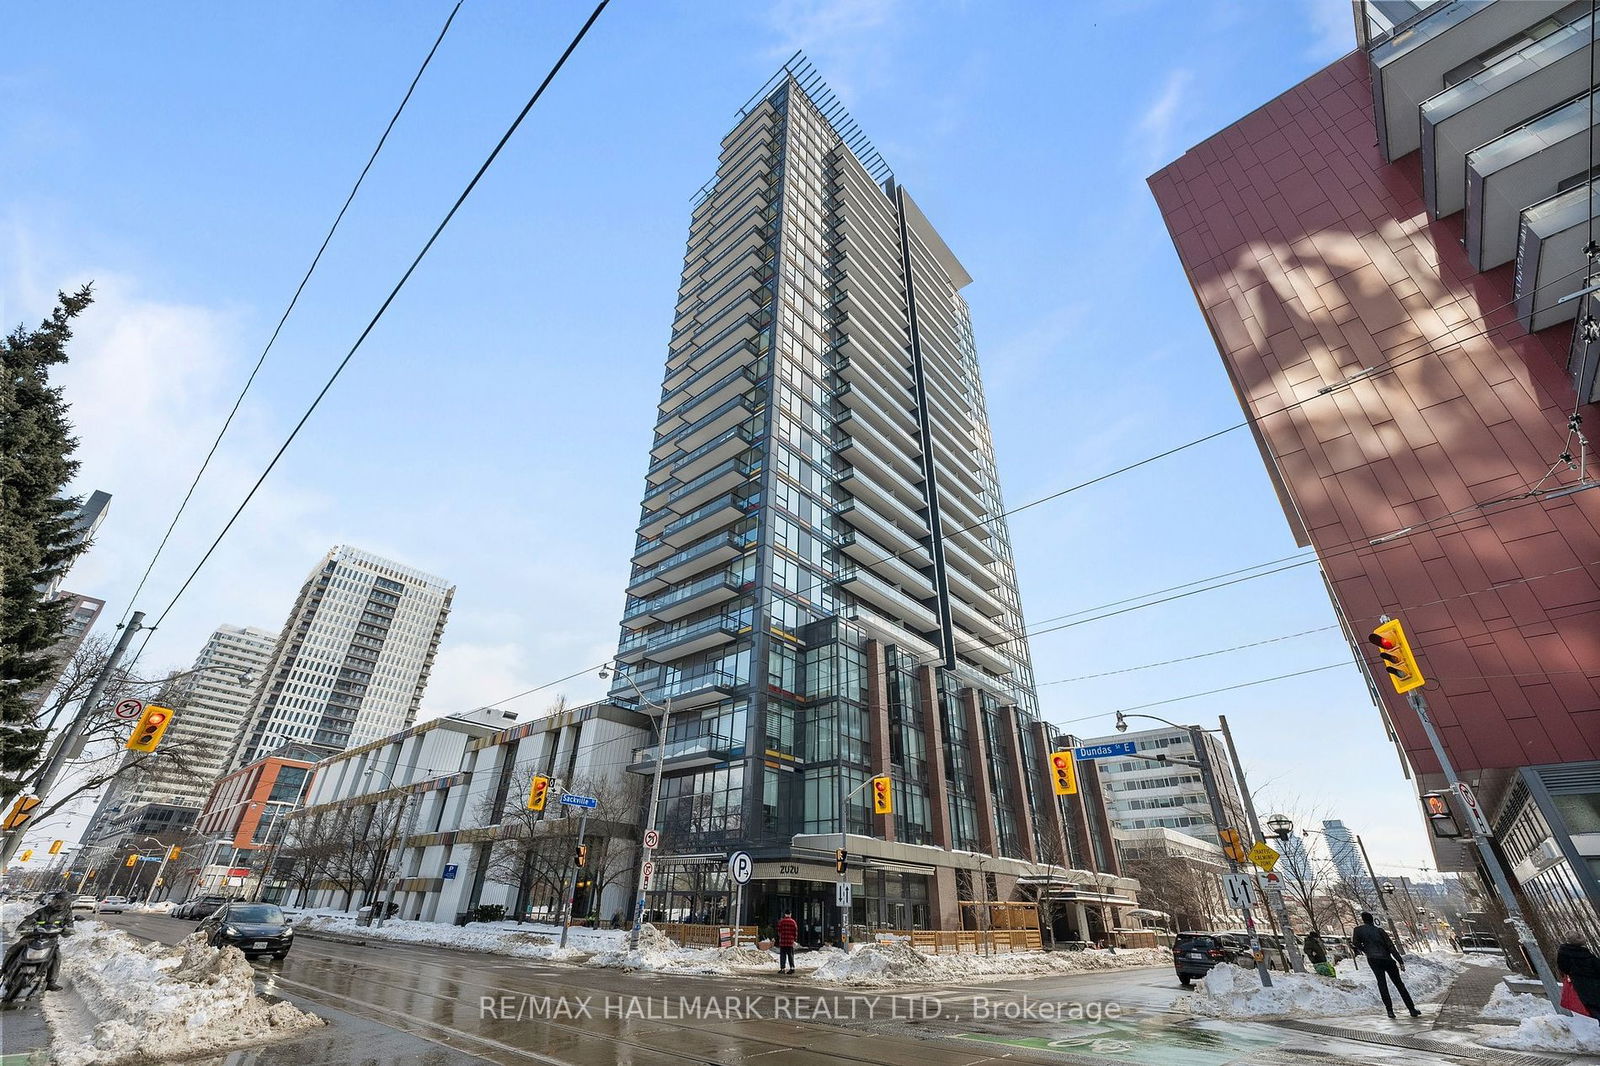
pixel 1154 129
pixel 850 41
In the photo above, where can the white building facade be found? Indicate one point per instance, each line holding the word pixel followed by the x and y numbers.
pixel 457 787
pixel 1144 794
pixel 353 659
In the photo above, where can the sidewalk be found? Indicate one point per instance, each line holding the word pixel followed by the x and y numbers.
pixel 1463 1007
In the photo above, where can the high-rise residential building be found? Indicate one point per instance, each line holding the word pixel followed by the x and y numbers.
pixel 1347 860
pixel 1384 255
pixel 81 614
pixel 353 659
pixel 84 526
pixel 212 699
pixel 822 586
pixel 1144 794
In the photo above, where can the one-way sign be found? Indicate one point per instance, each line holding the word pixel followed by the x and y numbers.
pixel 572 800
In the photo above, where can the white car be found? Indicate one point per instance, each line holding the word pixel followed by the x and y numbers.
pixel 112 905
pixel 84 903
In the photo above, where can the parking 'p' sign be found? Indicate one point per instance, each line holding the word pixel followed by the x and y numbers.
pixel 127 710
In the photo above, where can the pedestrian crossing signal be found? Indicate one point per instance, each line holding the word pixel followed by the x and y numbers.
pixel 882 795
pixel 1063 773
pixel 538 792
pixel 1441 819
pixel 147 733
pixel 840 860
pixel 1232 846
pixel 1395 652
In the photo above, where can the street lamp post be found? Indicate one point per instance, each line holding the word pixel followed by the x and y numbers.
pixel 645 853
pixel 1274 888
pixel 1202 762
pixel 381 914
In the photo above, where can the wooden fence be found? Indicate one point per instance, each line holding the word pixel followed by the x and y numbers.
pixel 963 941
pixel 689 935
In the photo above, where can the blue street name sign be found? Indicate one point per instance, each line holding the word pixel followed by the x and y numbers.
pixel 579 801
pixel 1104 751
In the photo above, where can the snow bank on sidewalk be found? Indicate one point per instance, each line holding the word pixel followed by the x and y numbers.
pixel 1573 1035
pixel 526 942
pixel 877 965
pixel 658 954
pixel 1506 1005
pixel 155 1002
pixel 1230 991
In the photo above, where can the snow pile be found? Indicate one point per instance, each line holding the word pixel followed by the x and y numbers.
pixel 156 1002
pixel 528 942
pixel 898 964
pixel 164 907
pixel 1236 992
pixel 1571 1034
pixel 1506 1005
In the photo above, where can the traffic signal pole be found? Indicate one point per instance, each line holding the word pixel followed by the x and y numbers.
pixel 1274 889
pixel 61 750
pixel 572 881
pixel 1209 779
pixel 1491 861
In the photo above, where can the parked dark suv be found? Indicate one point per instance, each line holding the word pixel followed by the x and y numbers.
pixel 1194 954
pixel 253 928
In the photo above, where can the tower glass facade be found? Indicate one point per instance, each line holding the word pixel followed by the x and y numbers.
pixel 820 586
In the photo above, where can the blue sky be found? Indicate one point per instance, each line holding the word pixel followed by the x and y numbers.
pixel 494 428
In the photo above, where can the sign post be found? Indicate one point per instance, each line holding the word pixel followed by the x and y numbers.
pixel 740 867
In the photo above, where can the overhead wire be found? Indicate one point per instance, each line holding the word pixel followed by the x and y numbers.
pixel 284 317
pixel 388 300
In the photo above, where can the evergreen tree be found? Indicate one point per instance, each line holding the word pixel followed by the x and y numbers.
pixel 36 526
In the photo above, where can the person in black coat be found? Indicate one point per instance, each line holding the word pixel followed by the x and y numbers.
pixel 1384 959
pixel 1576 962
pixel 1314 948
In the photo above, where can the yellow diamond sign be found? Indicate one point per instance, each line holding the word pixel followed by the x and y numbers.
pixel 1263 856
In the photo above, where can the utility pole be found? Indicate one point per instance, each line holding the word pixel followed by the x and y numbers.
pixel 646 863
pixel 1491 861
pixel 1274 889
pixel 1377 889
pixel 1209 780
pixel 62 749
pixel 572 881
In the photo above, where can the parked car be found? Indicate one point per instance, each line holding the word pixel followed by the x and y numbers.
pixel 198 907
pixel 84 903
pixel 112 905
pixel 1194 954
pixel 253 928
pixel 1339 948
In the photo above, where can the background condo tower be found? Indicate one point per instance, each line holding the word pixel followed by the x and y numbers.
pixel 353 659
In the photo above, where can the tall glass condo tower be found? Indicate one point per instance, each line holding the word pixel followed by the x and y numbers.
pixel 821 586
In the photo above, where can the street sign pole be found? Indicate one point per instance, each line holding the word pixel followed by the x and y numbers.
pixel 1491 862
pixel 1274 890
pixel 1209 779
pixel 572 882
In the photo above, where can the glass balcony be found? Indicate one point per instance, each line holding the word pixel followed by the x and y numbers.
pixel 707 516
pixel 712 550
pixel 716 481
pixel 1521 167
pixel 1550 249
pixel 892 601
pixel 1410 64
pixel 974 621
pixel 884 629
pixel 688 599
pixel 687 409
pixel 718 420
pixel 681 466
pixel 665 644
pixel 963 586
pixel 901 569
pixel 861 516
pixel 1503 95
pixel 690 754
pixel 885 493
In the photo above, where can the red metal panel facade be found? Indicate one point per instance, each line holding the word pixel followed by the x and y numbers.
pixel 1313 259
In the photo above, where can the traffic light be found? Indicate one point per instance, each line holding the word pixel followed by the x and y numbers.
pixel 20 812
pixel 1398 661
pixel 538 792
pixel 1232 846
pixel 25 856
pixel 1441 819
pixel 1063 773
pixel 840 863
pixel 581 858
pixel 882 794
pixel 173 852
pixel 147 733
pixel 56 846
pixel 132 859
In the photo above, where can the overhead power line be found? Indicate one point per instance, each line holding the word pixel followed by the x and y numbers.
pixel 388 300
pixel 1191 658
pixel 293 299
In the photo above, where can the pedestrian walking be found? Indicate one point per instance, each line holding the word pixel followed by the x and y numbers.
pixel 1579 967
pixel 1384 959
pixel 788 933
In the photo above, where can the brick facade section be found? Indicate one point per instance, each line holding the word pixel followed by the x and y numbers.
pixel 1312 259
pixel 1017 771
pixel 984 795
pixel 878 730
pixel 933 739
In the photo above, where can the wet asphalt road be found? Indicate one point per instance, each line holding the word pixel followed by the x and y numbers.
pixel 400 1005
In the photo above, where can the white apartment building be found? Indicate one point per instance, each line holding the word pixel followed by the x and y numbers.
pixel 463 780
pixel 353 659
pixel 1143 794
